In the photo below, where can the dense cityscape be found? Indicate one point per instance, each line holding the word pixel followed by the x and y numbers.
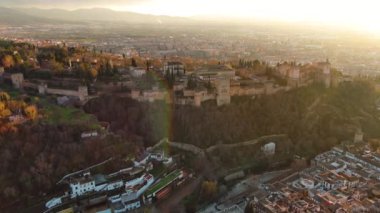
pixel 107 111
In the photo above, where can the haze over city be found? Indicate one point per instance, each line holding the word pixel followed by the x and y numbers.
pixel 354 14
pixel 202 106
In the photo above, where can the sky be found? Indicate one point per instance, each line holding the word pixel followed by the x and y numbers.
pixel 360 14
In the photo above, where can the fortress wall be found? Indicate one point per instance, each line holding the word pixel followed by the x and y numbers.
pixel 62 92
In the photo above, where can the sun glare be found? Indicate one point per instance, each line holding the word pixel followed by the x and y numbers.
pixel 361 15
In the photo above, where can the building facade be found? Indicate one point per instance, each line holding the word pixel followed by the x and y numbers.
pixel 223 95
pixel 174 67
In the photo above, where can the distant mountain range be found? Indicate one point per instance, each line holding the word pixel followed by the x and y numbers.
pixel 14 17
pixel 32 16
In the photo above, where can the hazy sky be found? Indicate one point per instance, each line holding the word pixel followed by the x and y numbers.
pixel 362 14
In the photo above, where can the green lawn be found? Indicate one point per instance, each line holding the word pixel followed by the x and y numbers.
pixel 164 182
pixel 54 114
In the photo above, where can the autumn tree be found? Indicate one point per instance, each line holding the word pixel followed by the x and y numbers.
pixel 374 144
pixel 209 189
pixel 31 112
pixel 83 70
pixel 93 73
pixel 133 62
pixel 56 66
pixel 4 96
pixel 5 113
pixel 8 61
pixel 15 106
pixel 2 106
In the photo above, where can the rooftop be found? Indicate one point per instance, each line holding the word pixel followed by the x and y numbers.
pixel 164 182
pixel 99 179
pixel 171 63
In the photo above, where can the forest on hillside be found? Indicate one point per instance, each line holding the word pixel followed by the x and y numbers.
pixel 37 156
pixel 314 118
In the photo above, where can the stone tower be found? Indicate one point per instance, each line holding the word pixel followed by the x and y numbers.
pixel 198 99
pixel 111 63
pixel 294 76
pixel 326 73
pixel 358 136
pixel 42 88
pixel 17 80
pixel 223 91
pixel 82 93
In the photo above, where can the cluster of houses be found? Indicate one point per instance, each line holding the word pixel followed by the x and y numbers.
pixel 344 179
pixel 121 191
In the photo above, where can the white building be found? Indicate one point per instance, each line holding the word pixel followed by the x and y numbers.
pixel 96 183
pixel 17 119
pixel 89 134
pixel 139 185
pixel 53 202
pixel 134 189
pixel 17 80
pixel 82 185
pixel 137 71
pixel 147 157
pixel 157 156
pixel 135 204
pixel 307 183
pixel 358 136
pixel 115 185
pixel 269 148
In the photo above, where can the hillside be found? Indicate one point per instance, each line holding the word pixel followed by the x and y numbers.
pixel 13 17
pixel 37 153
pixel 35 16
pixel 314 118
